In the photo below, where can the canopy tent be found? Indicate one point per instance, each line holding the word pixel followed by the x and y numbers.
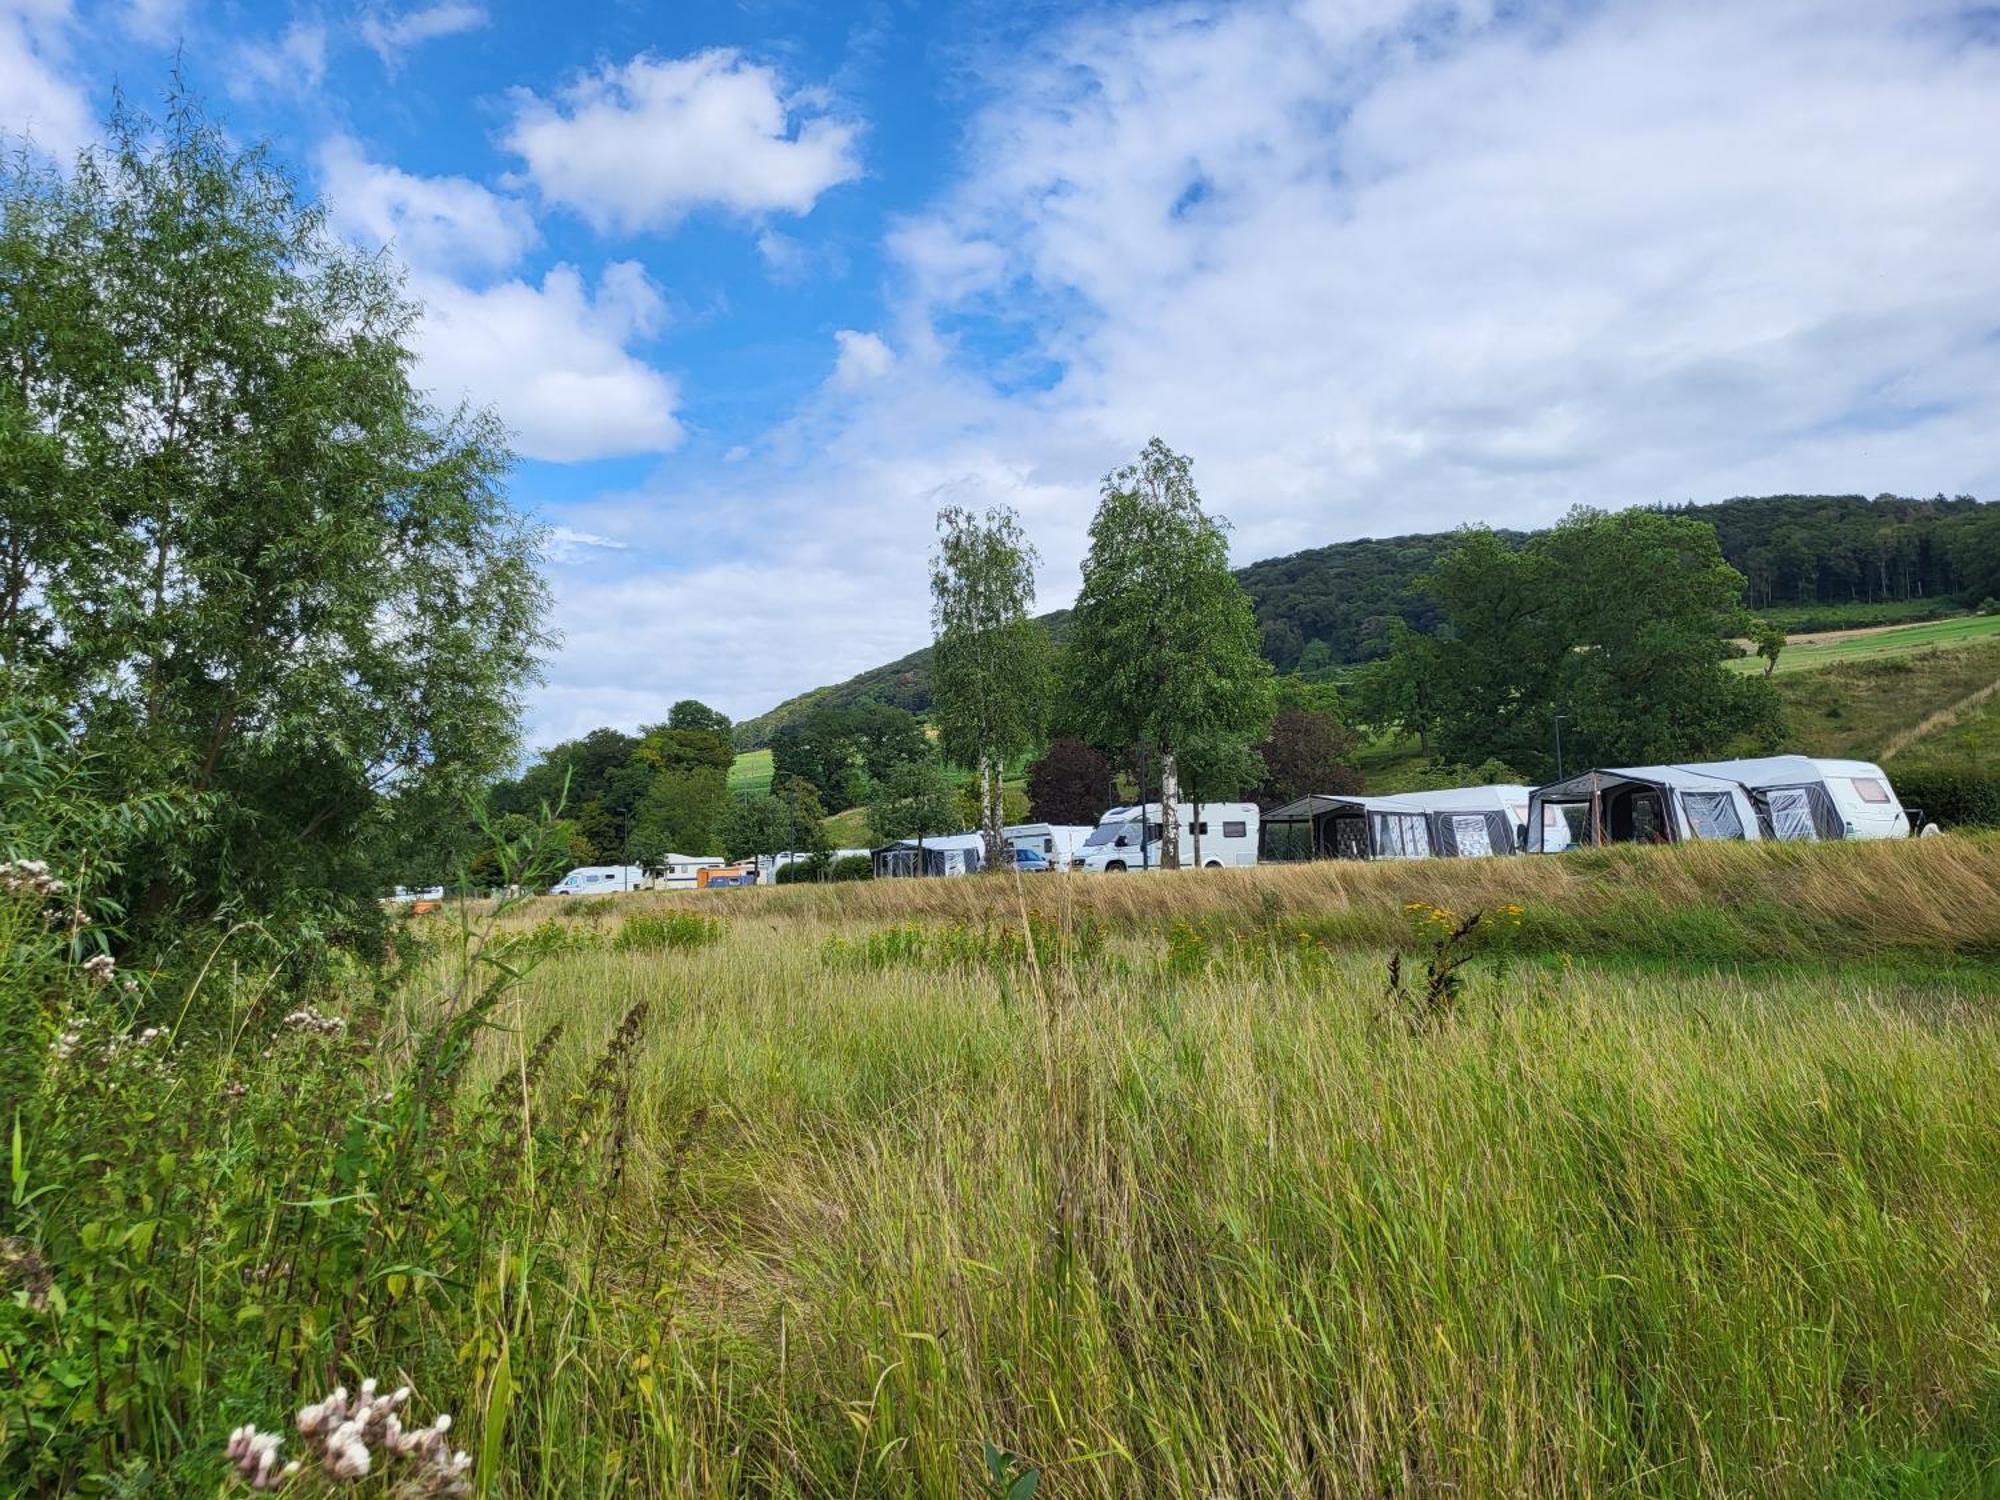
pixel 1639 805
pixel 1455 821
pixel 946 854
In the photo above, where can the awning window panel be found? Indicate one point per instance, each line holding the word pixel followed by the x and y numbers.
pixel 1791 814
pixel 1469 832
pixel 1712 815
pixel 1402 835
pixel 1350 838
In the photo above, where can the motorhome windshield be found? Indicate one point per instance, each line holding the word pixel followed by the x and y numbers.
pixel 1110 833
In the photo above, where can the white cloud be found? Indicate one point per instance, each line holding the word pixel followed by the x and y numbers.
pixel 566 544
pixel 294 61
pixel 640 145
pixel 440 223
pixel 863 357
pixel 1379 268
pixel 554 357
pixel 392 36
pixel 39 99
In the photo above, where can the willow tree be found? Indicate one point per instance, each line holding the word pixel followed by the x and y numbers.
pixel 1162 646
pixel 990 665
pixel 268 573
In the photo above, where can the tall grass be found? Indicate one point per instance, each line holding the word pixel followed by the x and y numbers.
pixel 1150 1185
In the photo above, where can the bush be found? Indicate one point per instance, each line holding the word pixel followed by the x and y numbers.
pixel 678 930
pixel 1951 796
pixel 851 867
pixel 802 871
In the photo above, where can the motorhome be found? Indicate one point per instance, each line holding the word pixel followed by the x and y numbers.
pixel 1465 822
pixel 599 880
pixel 1213 835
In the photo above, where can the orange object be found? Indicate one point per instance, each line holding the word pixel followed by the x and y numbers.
pixel 425 908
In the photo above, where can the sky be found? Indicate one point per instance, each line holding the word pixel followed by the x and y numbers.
pixel 758 287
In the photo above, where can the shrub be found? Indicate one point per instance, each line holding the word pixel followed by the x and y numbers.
pixel 851 867
pixel 802 871
pixel 1952 796
pixel 650 932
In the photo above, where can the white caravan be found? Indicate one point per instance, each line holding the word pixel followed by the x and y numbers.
pixel 1802 797
pixel 600 880
pixel 1225 833
pixel 1059 843
pixel 681 872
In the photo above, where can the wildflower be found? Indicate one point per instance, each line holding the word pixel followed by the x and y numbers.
pixel 100 969
pixel 28 877
pixel 255 1457
pixel 307 1019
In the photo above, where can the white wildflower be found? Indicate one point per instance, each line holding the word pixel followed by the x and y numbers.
pixel 100 969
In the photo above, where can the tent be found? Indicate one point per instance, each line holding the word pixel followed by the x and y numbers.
pixel 945 854
pixel 1462 821
pixel 1639 805
pixel 1799 797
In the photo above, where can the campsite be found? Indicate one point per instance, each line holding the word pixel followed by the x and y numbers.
pixel 1140 750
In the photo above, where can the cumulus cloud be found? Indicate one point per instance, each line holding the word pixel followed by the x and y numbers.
pixel 640 145
pixel 862 357
pixel 39 100
pixel 554 357
pixel 392 35
pixel 441 223
pixel 1383 267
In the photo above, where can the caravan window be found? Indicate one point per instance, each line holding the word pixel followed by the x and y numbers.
pixel 1469 832
pixel 1202 828
pixel 1712 815
pixel 1870 789
pixel 1791 814
pixel 1235 830
pixel 1402 835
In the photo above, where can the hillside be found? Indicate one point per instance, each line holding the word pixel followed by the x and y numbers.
pixel 1814 562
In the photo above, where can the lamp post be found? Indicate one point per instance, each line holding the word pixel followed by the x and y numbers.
pixel 1559 745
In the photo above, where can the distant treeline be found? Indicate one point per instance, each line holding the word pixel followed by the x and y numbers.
pixel 1336 606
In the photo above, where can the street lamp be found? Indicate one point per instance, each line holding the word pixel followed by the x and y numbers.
pixel 1559 745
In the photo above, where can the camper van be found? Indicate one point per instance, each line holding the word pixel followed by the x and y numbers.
pixel 1128 838
pixel 599 880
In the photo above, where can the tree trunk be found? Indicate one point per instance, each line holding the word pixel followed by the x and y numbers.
pixel 993 817
pixel 1170 812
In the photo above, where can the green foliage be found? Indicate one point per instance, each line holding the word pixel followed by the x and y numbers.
pixel 1621 623
pixel 1162 646
pixel 1070 783
pixel 1769 641
pixel 1965 795
pixel 693 714
pixel 1042 940
pixel 1305 752
pixel 990 672
pixel 787 818
pixel 668 931
pixel 851 867
pixel 916 800
pixel 265 572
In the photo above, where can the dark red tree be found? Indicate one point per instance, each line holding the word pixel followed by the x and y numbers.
pixel 1069 784
pixel 1305 753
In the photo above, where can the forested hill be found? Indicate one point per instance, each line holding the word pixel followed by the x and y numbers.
pixel 1333 606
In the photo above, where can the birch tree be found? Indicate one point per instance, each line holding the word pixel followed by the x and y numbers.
pixel 990 666
pixel 1162 646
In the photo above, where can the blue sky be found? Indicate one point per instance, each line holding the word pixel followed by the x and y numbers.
pixel 758 287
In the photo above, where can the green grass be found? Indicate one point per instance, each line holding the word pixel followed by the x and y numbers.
pixel 1861 707
pixel 750 772
pixel 1901 640
pixel 1203 1215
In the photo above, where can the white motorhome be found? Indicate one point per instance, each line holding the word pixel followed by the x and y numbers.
pixel 600 880
pixel 1128 838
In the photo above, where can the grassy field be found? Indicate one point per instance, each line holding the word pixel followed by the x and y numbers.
pixel 1866 706
pixel 1180 1199
pixel 750 772
pixel 1882 641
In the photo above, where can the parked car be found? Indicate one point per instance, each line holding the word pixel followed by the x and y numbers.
pixel 1031 861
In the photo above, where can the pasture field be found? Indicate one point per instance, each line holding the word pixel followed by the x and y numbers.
pixel 750 772
pixel 1157 1186
pixel 1874 706
pixel 1827 648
